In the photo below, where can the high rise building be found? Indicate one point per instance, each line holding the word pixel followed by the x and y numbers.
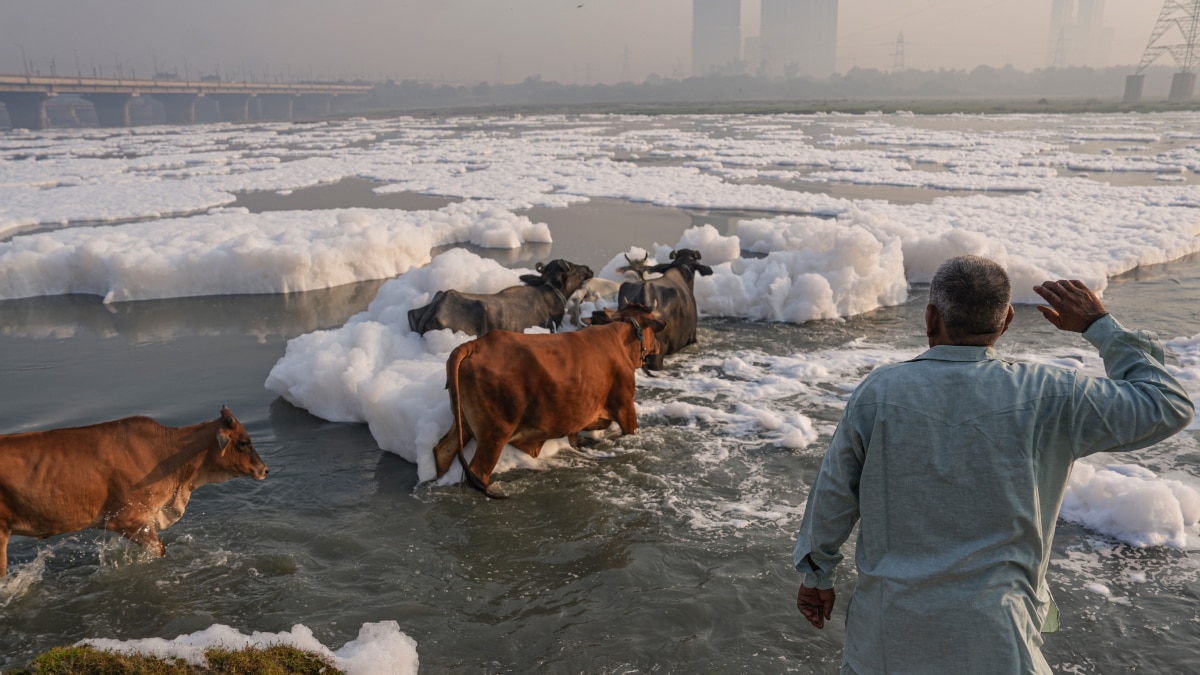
pixel 799 37
pixel 1078 36
pixel 716 37
pixel 1062 15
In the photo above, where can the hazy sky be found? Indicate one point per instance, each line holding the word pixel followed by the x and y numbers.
pixel 468 41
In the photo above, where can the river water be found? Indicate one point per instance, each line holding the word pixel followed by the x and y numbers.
pixel 667 551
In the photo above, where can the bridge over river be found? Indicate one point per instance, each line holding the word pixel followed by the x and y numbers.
pixel 25 98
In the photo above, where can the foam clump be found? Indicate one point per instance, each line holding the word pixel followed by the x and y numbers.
pixel 380 648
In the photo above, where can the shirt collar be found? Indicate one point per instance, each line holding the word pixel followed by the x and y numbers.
pixel 958 353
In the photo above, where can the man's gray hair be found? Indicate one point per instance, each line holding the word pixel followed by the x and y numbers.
pixel 972 295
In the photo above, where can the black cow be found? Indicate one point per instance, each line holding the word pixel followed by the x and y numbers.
pixel 672 300
pixel 541 302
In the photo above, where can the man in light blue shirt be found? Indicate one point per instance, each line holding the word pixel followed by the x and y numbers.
pixel 956 463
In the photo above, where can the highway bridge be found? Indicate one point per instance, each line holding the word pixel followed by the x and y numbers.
pixel 25 97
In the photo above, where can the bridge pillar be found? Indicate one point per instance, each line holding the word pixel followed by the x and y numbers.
pixel 276 106
pixel 112 110
pixel 234 107
pixel 1133 88
pixel 1183 86
pixel 314 105
pixel 27 110
pixel 179 108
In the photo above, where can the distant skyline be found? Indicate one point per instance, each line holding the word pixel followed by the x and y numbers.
pixel 471 41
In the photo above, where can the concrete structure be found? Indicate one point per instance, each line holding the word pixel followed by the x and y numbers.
pixel 716 37
pixel 25 97
pixel 1177 32
pixel 799 37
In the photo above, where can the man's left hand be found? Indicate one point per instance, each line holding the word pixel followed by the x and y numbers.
pixel 816 604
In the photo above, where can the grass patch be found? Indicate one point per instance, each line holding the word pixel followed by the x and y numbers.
pixel 84 660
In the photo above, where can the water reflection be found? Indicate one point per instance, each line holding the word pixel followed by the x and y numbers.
pixel 348 193
pixel 264 316
pixel 523 256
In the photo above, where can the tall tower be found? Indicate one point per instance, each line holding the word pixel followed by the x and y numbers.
pixel 1177 32
pixel 716 37
pixel 799 37
pixel 1062 15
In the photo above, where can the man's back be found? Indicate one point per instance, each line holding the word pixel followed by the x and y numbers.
pixel 957 463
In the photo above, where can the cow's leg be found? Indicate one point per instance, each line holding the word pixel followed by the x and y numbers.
pixel 487 454
pixel 139 532
pixel 4 535
pixel 446 449
pixel 626 417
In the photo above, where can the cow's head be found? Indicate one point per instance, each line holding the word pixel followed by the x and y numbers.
pixel 636 270
pixel 687 261
pixel 645 326
pixel 563 276
pixel 235 454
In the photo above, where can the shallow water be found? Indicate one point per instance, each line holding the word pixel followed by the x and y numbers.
pixel 667 551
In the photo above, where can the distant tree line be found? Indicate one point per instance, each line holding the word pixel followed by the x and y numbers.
pixel 983 82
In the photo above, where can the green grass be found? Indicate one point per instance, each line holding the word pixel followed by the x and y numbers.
pixel 83 660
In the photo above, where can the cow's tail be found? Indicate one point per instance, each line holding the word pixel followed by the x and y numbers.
pixel 459 355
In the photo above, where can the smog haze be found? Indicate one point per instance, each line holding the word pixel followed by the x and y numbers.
pixel 471 41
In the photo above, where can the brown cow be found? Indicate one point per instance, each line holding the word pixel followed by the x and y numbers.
pixel 524 390
pixel 133 476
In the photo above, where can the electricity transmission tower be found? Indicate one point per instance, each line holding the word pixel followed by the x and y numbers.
pixel 898 58
pixel 1177 32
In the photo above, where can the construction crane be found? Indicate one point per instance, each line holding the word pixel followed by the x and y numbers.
pixel 1177 32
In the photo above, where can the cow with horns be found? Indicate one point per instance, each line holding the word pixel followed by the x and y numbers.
pixel 542 301
pixel 672 298
pixel 597 289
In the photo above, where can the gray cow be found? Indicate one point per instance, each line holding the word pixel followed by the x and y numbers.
pixel 541 302
pixel 672 299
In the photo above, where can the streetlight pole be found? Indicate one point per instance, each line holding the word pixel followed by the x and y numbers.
pixel 24 61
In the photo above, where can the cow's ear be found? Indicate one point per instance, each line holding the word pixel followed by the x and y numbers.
pixel 672 257
pixel 704 270
pixel 532 279
pixel 540 267
pixel 224 441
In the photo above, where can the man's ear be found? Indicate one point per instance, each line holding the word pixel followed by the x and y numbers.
pixel 1008 320
pixel 933 320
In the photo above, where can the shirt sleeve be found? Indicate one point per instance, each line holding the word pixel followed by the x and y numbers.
pixel 1139 404
pixel 832 508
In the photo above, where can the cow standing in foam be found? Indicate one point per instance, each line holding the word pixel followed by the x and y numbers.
pixel 672 298
pixel 133 476
pixel 541 302
pixel 523 390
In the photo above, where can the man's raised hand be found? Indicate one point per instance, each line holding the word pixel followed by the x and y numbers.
pixel 1072 305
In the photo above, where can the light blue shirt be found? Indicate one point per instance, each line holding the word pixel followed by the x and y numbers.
pixel 956 463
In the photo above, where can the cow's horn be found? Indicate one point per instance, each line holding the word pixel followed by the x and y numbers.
pixel 672 255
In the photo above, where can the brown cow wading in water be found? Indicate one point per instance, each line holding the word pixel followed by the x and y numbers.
pixel 524 390
pixel 133 476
